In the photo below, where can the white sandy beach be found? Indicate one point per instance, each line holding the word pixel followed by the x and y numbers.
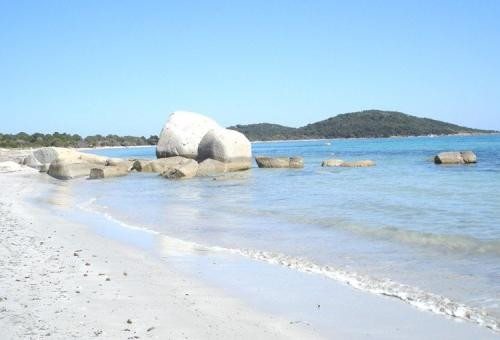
pixel 59 281
pixel 62 280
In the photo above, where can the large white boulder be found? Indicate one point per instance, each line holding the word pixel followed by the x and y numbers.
pixel 182 134
pixel 226 146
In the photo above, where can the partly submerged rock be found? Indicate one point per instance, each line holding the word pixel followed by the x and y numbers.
pixel 358 164
pixel 162 164
pixel 187 169
pixel 449 158
pixel 227 146
pixel 142 165
pixel 469 157
pixel 210 167
pixel 279 162
pixel 455 157
pixel 332 162
pixel 70 169
pixel 182 134
pixel 109 171
pixel 158 165
pixel 296 162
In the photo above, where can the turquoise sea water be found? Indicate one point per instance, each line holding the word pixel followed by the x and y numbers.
pixel 427 234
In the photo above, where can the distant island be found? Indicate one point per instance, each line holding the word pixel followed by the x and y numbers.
pixel 369 123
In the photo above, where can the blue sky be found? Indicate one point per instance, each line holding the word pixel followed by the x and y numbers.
pixel 122 66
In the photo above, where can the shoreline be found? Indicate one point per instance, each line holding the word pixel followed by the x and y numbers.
pixel 154 277
pixel 63 280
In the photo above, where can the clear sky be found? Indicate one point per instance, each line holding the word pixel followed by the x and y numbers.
pixel 121 67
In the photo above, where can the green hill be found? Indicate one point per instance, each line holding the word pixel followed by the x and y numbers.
pixel 370 123
pixel 264 131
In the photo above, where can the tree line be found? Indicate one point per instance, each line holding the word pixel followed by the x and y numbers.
pixel 24 140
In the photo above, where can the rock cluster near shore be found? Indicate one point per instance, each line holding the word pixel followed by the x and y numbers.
pixel 194 136
pixel 190 145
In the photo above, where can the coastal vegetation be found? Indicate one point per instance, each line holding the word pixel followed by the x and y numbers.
pixel 24 140
pixel 370 123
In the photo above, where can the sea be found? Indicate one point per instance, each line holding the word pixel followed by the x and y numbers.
pixel 426 234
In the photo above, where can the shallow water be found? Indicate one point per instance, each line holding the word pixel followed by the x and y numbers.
pixel 426 234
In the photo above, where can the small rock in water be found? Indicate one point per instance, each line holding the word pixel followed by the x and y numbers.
pixel 332 162
pixel 455 157
pixel 280 162
pixel 150 329
pixel 358 164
